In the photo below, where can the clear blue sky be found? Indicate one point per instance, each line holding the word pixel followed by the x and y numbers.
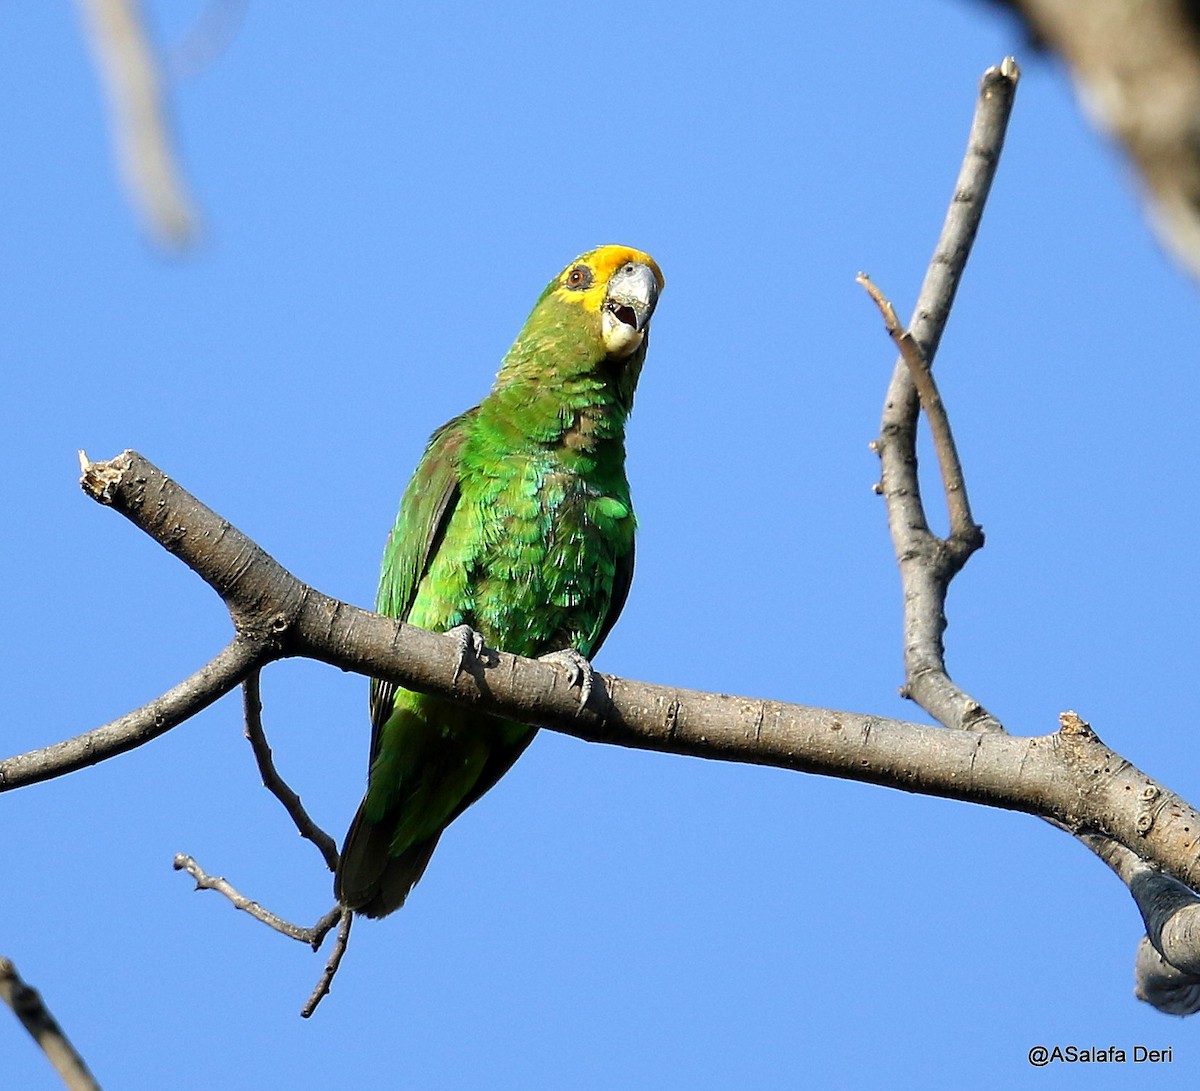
pixel 386 189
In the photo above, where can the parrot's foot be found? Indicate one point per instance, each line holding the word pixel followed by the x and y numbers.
pixel 470 648
pixel 579 671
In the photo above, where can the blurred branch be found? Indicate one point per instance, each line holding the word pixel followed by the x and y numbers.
pixel 1136 68
pixel 131 78
pixel 28 1006
pixel 209 37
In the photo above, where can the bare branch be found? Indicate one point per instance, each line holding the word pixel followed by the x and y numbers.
pixel 965 533
pixel 131 78
pixel 346 919
pixel 28 1006
pixel 213 680
pixel 313 936
pixel 339 915
pixel 273 782
pixel 927 563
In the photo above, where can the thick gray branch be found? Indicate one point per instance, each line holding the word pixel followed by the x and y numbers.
pixel 1069 776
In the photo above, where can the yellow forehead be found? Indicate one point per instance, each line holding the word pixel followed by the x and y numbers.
pixel 603 262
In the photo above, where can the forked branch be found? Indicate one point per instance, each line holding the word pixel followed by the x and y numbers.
pixel 928 563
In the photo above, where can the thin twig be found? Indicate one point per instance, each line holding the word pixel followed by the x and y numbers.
pixel 997 92
pixel 139 120
pixel 207 39
pixel 965 533
pixel 312 936
pixel 273 782
pixel 346 918
pixel 28 1006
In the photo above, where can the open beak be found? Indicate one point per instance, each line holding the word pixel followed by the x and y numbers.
pixel 632 294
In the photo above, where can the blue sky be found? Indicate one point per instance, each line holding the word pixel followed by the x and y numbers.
pixel 386 189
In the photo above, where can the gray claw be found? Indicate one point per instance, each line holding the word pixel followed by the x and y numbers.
pixel 470 646
pixel 579 671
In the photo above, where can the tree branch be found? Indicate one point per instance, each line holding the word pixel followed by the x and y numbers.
pixel 210 682
pixel 1068 776
pixel 28 1006
pixel 965 534
pixel 1159 983
pixel 131 78
pixel 273 782
pixel 1136 68
pixel 325 982
pixel 313 936
pixel 928 563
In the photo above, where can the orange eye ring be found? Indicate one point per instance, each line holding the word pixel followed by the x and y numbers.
pixel 579 278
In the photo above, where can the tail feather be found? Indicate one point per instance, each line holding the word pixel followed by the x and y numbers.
pixel 370 880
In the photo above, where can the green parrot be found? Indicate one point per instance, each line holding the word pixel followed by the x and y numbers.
pixel 516 529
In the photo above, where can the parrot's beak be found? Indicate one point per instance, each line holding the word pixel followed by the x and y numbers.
pixel 632 294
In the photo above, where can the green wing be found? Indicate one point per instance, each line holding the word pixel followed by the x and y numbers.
pixel 622 578
pixel 425 509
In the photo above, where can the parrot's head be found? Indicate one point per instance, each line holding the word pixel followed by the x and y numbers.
pixel 614 289
pixel 591 321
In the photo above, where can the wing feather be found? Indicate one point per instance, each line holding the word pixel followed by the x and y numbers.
pixel 425 510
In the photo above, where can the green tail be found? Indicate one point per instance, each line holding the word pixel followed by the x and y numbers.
pixel 369 879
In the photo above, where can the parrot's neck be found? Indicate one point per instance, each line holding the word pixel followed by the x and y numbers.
pixel 578 403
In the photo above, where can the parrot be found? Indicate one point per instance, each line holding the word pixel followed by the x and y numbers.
pixel 515 532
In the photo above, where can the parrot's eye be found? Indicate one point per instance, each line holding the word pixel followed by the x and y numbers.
pixel 579 278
